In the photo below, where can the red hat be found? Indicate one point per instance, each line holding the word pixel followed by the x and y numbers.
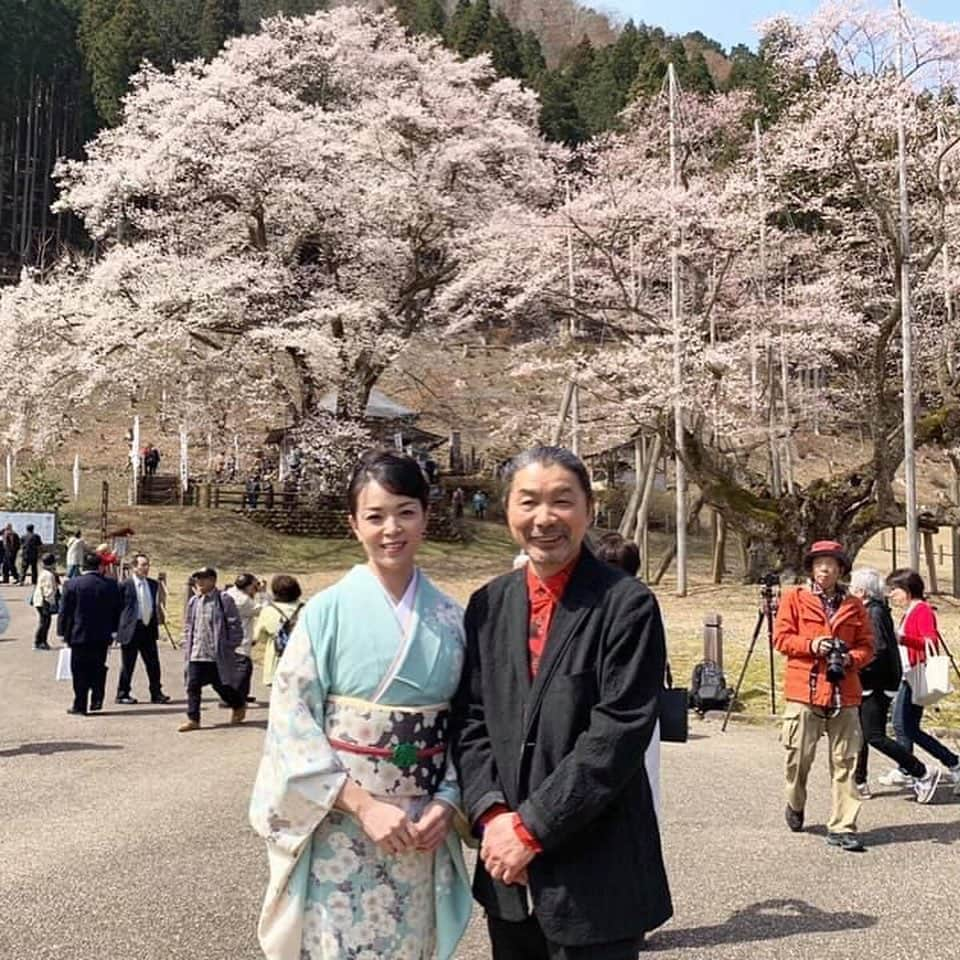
pixel 826 548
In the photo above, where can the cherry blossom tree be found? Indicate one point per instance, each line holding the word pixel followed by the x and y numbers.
pixel 826 294
pixel 289 211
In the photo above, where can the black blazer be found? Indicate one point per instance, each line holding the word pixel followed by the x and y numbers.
pixel 130 611
pixel 567 751
pixel 89 610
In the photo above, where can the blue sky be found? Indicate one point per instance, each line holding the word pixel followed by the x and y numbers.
pixel 731 21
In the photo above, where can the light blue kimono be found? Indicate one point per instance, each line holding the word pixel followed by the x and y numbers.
pixel 332 893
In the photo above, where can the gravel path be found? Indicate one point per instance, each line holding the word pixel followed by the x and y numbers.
pixel 122 840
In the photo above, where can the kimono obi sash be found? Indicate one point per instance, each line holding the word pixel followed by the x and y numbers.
pixel 389 751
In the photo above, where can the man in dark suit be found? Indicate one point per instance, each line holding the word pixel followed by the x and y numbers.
pixel 30 555
pixel 89 615
pixel 139 630
pixel 557 704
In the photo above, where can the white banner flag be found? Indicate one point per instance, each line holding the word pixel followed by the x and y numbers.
pixel 9 471
pixel 184 463
pixel 135 459
pixel 76 477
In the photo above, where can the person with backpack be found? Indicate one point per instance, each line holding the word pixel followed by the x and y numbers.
pixel 881 679
pixel 276 621
pixel 211 635
pixel 825 634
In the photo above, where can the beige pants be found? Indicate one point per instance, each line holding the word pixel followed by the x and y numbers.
pixel 803 726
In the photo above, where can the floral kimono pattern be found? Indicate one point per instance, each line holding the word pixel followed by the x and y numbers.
pixel 333 894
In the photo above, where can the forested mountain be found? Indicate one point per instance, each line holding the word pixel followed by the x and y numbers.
pixel 64 66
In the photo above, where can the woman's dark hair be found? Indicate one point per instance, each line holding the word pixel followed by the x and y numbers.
pixel 285 588
pixel 399 474
pixel 548 456
pixel 616 551
pixel 244 581
pixel 907 580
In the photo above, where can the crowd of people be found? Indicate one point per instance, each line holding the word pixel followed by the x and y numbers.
pixel 845 662
pixel 402 727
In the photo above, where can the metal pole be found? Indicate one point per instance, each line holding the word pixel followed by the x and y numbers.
pixel 761 217
pixel 906 326
pixel 677 352
pixel 575 395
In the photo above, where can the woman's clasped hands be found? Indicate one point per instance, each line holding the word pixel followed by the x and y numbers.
pixel 394 832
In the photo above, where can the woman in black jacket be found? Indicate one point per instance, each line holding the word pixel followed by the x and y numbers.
pixel 880 679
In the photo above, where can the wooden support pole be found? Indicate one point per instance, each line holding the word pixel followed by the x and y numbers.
pixel 931 561
pixel 643 513
pixel 893 548
pixel 719 546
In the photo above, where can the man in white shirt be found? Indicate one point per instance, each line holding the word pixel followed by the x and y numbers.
pixel 139 631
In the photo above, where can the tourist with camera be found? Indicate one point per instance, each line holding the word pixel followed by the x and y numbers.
pixel 824 632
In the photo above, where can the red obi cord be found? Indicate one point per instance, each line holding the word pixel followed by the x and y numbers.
pixel 402 755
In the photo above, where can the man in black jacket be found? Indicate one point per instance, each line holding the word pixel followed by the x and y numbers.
pixel 880 679
pixel 139 630
pixel 89 614
pixel 30 555
pixel 556 707
pixel 11 547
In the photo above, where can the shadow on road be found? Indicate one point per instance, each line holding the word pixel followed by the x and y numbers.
pixel 943 833
pixel 767 920
pixel 46 747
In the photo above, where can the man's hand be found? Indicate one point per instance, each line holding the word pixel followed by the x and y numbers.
pixel 821 646
pixel 504 854
pixel 431 829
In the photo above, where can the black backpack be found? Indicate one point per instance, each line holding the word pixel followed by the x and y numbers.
pixel 285 630
pixel 708 688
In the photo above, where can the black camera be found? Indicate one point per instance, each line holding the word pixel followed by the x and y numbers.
pixel 836 654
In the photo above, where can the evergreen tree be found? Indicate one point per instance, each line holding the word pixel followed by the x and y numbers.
pixel 623 61
pixel 220 19
pixel 560 119
pixel 531 53
pixel 117 36
pixel 698 78
pixel 599 98
pixel 430 17
pixel 457 24
pixel 578 61
pixel 475 28
pixel 502 44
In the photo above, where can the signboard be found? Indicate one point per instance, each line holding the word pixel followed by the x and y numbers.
pixel 45 524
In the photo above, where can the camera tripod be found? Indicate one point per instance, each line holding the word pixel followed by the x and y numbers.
pixel 768 608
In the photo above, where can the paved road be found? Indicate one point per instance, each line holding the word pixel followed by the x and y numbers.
pixel 122 840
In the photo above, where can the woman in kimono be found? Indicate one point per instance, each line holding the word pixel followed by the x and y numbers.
pixel 355 794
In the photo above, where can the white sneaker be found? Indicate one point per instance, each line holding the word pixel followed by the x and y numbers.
pixel 894 778
pixel 927 785
pixel 953 773
pixel 863 789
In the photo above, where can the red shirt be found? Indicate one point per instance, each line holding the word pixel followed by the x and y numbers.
pixel 544 596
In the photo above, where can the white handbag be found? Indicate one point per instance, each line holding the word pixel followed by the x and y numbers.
pixel 929 680
pixel 63 664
